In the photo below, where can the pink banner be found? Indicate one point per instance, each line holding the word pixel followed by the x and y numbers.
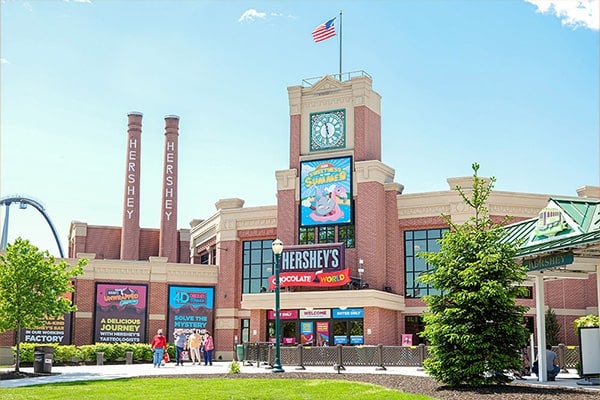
pixel 321 279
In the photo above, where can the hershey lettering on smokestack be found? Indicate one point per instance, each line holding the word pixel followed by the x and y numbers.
pixel 130 233
pixel 168 222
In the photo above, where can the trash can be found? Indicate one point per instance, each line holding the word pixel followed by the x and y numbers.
pixel 240 352
pixel 42 359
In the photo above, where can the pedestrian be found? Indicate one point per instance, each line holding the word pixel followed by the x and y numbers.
pixel 180 340
pixel 208 348
pixel 552 367
pixel 158 346
pixel 194 343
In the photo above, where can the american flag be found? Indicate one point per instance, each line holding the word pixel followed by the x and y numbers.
pixel 324 31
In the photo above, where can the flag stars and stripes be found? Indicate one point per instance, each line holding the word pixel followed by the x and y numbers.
pixel 324 31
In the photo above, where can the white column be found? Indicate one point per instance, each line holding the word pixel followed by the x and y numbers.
pixel 541 327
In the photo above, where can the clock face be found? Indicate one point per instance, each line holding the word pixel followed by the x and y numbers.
pixel 328 130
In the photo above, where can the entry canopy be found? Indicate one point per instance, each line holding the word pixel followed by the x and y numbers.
pixel 563 241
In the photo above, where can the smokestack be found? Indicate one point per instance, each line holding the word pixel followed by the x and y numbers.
pixel 168 223
pixel 130 233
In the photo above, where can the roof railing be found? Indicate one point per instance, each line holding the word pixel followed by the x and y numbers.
pixel 343 77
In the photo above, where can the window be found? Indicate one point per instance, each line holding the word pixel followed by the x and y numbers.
pixel 257 265
pixel 346 235
pixel 204 258
pixel 327 234
pixel 415 242
pixel 245 331
pixel 307 235
pixel 529 294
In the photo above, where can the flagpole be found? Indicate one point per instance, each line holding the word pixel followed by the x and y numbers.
pixel 340 45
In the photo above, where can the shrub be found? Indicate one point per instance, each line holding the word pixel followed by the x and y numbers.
pixel 234 367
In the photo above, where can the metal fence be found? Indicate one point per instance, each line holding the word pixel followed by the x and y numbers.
pixel 378 357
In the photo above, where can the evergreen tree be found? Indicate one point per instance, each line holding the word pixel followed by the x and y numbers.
pixel 552 328
pixel 474 326
pixel 32 285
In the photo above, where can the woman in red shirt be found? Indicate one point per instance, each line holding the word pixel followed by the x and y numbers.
pixel 158 346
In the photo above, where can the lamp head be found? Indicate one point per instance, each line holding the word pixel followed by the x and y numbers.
pixel 277 246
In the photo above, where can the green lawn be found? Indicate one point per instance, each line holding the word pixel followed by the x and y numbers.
pixel 210 389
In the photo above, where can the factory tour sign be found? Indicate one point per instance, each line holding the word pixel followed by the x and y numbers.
pixel 319 265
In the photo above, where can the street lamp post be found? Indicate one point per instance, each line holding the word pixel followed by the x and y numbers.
pixel 277 250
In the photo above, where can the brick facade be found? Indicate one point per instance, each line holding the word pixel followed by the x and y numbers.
pixel 382 216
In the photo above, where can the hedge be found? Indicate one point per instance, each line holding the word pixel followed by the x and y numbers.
pixel 86 354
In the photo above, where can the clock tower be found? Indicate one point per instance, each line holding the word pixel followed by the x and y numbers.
pixel 336 125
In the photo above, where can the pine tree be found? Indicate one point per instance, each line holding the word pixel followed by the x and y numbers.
pixel 552 328
pixel 474 326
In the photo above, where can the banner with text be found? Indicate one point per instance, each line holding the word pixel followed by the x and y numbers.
pixel 120 313
pixel 320 265
pixel 54 330
pixel 326 191
pixel 190 307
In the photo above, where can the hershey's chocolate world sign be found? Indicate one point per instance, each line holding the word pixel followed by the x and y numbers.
pixel 313 265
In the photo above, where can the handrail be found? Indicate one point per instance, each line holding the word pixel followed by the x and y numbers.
pixel 343 77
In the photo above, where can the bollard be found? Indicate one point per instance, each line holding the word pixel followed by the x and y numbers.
pixel 381 367
pixel 338 366
pixel 421 348
pixel 99 358
pixel 561 357
pixel 129 357
pixel 300 351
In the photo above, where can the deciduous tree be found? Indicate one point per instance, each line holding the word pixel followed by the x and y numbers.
pixel 32 288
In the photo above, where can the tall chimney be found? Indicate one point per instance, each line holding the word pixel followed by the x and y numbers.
pixel 130 233
pixel 168 223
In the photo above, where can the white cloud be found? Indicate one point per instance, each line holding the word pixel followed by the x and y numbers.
pixel 251 14
pixel 4 61
pixel 575 13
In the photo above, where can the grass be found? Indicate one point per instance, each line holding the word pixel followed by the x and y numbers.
pixel 213 389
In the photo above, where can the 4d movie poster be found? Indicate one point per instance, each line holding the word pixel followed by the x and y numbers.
pixel 190 308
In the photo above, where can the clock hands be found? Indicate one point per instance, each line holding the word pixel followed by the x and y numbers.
pixel 327 129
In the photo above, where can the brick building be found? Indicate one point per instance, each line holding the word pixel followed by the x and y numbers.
pixel 335 193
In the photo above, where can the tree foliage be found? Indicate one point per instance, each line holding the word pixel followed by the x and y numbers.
pixel 552 328
pixel 474 326
pixel 588 320
pixel 33 287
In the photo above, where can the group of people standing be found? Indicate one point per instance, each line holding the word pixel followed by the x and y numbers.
pixel 196 344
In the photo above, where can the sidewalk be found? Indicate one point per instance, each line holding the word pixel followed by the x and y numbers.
pixel 97 372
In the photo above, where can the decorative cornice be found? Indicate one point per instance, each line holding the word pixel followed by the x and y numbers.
pixel 373 171
pixel 286 179
pixel 156 271
pixel 424 211
pixel 254 233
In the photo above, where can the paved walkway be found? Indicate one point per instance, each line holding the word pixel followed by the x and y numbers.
pixel 97 372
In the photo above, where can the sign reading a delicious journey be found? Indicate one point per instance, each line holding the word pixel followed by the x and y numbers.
pixel 315 265
pixel 120 313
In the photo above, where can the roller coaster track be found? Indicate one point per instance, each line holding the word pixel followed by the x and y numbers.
pixel 23 203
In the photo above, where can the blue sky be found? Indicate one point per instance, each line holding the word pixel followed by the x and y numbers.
pixel 513 85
